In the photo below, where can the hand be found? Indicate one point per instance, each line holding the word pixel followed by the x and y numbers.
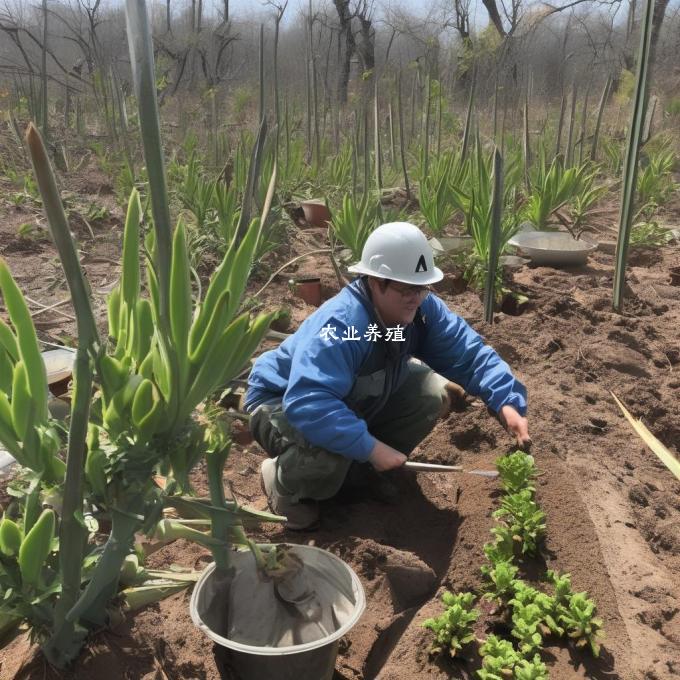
pixel 516 424
pixel 456 399
pixel 384 457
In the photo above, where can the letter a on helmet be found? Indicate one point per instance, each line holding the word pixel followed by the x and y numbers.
pixel 389 251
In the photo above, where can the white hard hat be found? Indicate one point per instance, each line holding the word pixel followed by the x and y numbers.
pixel 398 251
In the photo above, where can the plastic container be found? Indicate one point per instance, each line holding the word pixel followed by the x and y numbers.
pixel 553 247
pixel 340 595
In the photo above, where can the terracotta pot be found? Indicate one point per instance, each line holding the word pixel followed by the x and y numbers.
pixel 675 276
pixel 309 289
pixel 317 213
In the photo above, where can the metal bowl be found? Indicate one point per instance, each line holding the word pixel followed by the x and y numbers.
pixel 553 247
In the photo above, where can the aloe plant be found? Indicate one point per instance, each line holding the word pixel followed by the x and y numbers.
pixel 355 221
pixel 655 182
pixel 168 353
pixel 196 192
pixel 553 187
pixel 436 200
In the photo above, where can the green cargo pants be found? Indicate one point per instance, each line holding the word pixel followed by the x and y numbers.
pixel 307 471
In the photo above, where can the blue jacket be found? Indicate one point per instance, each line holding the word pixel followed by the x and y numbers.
pixel 313 373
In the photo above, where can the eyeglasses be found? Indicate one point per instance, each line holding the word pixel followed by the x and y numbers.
pixel 407 292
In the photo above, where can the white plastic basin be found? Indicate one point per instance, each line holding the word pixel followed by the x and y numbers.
pixel 553 247
pixel 58 364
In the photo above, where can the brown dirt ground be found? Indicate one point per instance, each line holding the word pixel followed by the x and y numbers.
pixel 612 510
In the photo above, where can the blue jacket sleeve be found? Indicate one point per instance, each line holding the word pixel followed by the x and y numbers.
pixel 457 352
pixel 321 376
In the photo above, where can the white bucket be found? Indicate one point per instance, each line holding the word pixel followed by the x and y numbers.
pixel 311 660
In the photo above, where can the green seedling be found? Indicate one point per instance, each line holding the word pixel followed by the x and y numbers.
pixel 648 233
pixel 531 670
pixel 526 595
pixel 503 548
pixel 525 627
pixel 520 513
pixel 453 628
pixel 562 585
pixel 581 624
pixel 502 576
pixel 517 471
pixel 499 658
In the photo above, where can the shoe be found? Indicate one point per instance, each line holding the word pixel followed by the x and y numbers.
pixel 300 516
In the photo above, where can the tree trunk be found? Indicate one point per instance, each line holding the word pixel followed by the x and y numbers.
pixel 494 16
pixel 657 22
pixel 346 40
pixel 43 67
pixel 168 25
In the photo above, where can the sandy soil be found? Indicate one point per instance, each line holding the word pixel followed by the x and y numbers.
pixel 613 512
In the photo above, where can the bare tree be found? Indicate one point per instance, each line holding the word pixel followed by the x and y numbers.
pixel 347 45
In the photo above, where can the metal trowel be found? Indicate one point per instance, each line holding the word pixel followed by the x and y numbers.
pixel 433 467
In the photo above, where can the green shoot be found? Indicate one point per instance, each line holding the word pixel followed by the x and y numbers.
pixel 453 628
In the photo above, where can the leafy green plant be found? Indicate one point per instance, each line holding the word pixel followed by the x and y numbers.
pixel 96 212
pixel 524 518
pixel 502 576
pixel 339 168
pixel 562 585
pixel 648 233
pixel 503 548
pixel 580 622
pixel 548 605
pixel 517 472
pixel 453 628
pixel 526 620
pixel 533 669
pixel 499 659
